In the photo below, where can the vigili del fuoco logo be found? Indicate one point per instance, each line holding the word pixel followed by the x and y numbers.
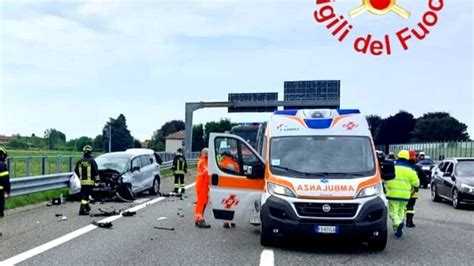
pixel 341 27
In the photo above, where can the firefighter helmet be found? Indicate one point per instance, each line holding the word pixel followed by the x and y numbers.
pixel 87 149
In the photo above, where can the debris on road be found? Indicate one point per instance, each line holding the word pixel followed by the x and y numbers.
pixel 63 218
pixel 164 228
pixel 174 195
pixel 180 213
pixel 128 214
pixel 161 227
pixel 56 201
pixel 105 213
pixel 107 225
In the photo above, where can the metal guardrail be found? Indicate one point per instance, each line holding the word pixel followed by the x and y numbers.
pixel 42 183
pixel 436 150
pixel 25 166
pixel 34 184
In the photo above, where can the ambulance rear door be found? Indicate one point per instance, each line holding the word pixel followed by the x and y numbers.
pixel 237 179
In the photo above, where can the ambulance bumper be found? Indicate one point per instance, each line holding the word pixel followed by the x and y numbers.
pixel 280 218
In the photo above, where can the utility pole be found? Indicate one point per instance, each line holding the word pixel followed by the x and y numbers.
pixel 110 137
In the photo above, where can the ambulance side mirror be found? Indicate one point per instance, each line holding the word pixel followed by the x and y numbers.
pixel 255 171
pixel 387 169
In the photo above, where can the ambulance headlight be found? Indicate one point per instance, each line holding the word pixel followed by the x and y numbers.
pixel 280 190
pixel 370 191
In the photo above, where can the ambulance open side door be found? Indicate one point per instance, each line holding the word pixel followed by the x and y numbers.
pixel 237 179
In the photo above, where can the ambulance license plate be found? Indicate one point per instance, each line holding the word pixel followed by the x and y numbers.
pixel 326 229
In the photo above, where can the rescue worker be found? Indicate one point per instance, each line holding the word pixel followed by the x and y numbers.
pixel 202 190
pixel 229 163
pixel 4 182
pixel 421 156
pixel 414 194
pixel 87 171
pixel 180 168
pixel 391 156
pixel 399 191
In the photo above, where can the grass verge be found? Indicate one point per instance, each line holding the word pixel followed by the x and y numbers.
pixel 169 172
pixel 29 199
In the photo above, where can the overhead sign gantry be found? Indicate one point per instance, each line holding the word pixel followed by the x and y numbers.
pixel 298 95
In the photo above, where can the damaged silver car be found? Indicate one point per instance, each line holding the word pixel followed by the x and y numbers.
pixel 127 174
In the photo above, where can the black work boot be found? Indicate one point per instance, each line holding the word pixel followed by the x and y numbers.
pixel 410 223
pixel 83 211
pixel 202 225
pixel 183 190
pixel 176 190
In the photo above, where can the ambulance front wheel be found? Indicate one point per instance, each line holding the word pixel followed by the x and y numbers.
pixel 266 237
pixel 378 243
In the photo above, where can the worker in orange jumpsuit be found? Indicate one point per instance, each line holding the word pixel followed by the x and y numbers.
pixel 229 163
pixel 202 190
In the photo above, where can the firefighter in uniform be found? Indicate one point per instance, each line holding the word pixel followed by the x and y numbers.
pixel 414 194
pixel 202 190
pixel 180 168
pixel 4 182
pixel 88 172
pixel 399 191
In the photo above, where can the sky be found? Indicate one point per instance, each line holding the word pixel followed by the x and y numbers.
pixel 71 65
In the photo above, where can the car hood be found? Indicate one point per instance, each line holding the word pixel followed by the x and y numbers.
pixel 468 180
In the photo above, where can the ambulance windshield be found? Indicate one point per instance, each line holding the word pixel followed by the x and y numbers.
pixel 322 156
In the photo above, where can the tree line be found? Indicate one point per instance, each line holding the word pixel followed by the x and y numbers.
pixel 54 139
pixel 201 133
pixel 400 128
pixel 403 127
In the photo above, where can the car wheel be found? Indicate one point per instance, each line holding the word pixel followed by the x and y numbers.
pixel 434 194
pixel 378 243
pixel 155 189
pixel 127 193
pixel 455 200
pixel 266 237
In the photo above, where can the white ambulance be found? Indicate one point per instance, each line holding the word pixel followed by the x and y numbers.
pixel 317 176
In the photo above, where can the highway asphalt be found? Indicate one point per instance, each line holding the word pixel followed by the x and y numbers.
pixel 443 236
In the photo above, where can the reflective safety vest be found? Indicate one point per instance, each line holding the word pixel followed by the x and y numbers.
pixel 4 178
pixel 86 170
pixel 3 175
pixel 406 180
pixel 179 165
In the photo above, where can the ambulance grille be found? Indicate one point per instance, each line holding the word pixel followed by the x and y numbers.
pixel 337 210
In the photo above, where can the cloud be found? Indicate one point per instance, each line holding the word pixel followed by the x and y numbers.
pixel 146 58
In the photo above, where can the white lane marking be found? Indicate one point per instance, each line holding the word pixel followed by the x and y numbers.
pixel 140 201
pixel 66 238
pixel 267 258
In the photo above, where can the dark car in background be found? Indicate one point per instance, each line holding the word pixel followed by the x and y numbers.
pixel 454 181
pixel 426 165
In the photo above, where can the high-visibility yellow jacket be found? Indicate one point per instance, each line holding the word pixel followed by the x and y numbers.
pixel 405 181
